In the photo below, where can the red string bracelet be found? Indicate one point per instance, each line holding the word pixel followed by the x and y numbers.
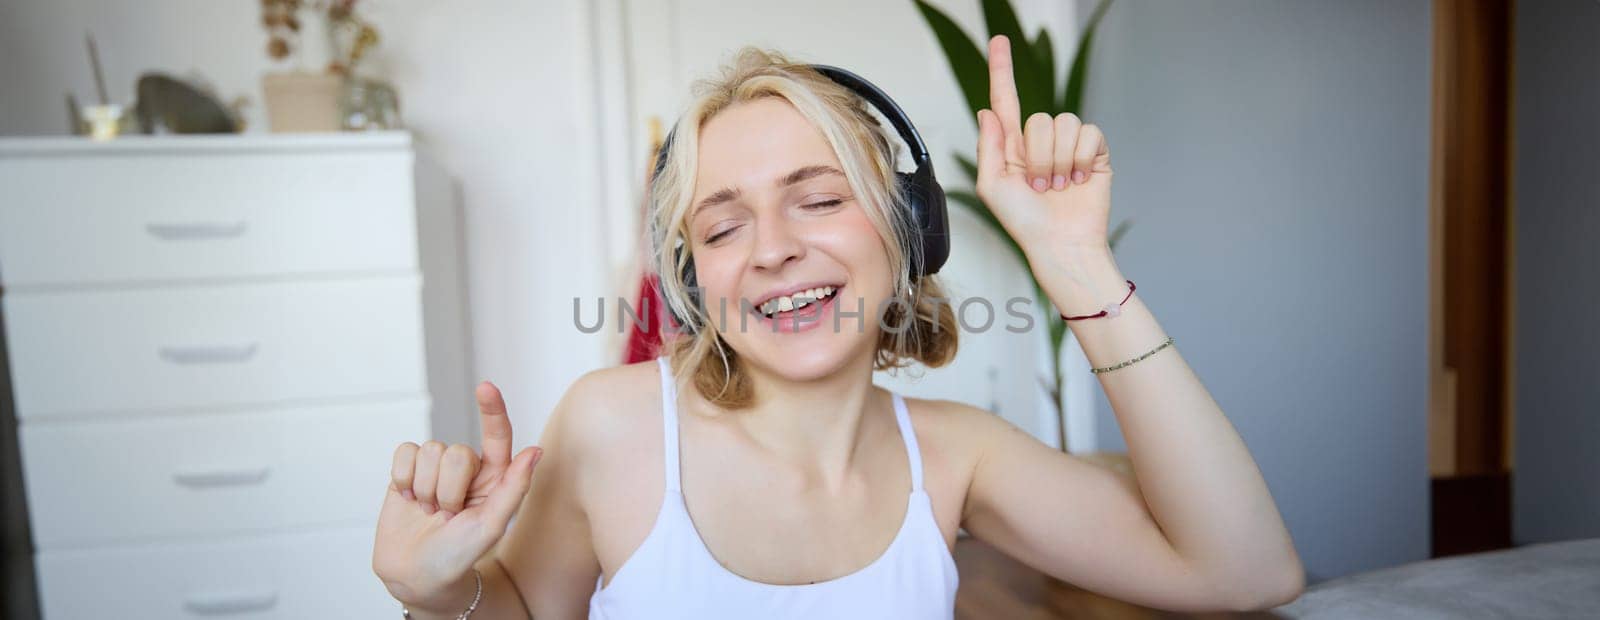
pixel 1111 309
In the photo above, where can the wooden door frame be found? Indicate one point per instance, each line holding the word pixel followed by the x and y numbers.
pixel 1471 290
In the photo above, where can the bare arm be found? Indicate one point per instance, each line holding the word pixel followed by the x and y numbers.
pixel 1201 530
pixel 499 598
pixel 549 553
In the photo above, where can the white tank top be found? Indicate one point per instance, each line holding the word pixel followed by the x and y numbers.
pixel 673 575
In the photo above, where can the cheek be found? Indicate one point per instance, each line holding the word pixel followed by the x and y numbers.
pixel 717 278
pixel 856 242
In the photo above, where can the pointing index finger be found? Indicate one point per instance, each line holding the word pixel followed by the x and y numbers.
pixel 496 425
pixel 1003 90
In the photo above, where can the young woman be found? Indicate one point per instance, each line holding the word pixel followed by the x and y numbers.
pixel 756 471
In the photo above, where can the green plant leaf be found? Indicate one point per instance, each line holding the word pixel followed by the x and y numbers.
pixel 1118 231
pixel 968 166
pixel 1030 78
pixel 975 205
pixel 967 61
pixel 1072 99
pixel 1046 53
pixel 1058 331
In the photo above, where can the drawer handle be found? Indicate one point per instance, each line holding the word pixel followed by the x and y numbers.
pixel 229 603
pixel 209 355
pixel 221 478
pixel 196 230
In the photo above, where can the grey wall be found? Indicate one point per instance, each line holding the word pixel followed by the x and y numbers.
pixel 1274 155
pixel 1556 488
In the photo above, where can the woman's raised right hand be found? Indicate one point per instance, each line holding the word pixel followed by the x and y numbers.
pixel 446 506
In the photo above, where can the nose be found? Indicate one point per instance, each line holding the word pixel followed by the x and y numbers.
pixel 776 244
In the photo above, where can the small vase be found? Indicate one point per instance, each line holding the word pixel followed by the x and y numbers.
pixel 302 102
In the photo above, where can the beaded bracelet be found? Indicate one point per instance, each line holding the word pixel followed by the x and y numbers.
pixel 406 613
pixel 1111 310
pixel 1163 345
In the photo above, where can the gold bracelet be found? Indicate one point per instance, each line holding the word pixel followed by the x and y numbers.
pixel 1135 360
pixel 476 598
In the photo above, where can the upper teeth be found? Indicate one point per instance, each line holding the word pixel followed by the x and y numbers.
pixel 801 299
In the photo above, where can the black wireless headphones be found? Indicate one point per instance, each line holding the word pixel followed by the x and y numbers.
pixel 919 189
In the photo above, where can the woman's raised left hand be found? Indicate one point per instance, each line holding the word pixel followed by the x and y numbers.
pixel 1048 181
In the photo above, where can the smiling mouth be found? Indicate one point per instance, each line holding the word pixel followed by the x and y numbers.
pixel 787 306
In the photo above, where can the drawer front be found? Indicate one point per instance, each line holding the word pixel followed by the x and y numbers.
pixel 153 349
pixel 211 474
pixel 318 574
pixel 118 218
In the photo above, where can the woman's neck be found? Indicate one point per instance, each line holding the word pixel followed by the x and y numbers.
pixel 816 426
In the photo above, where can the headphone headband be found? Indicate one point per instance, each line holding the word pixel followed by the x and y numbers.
pixel 885 105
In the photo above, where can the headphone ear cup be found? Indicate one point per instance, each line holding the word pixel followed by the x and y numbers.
pixel 662 153
pixel 906 184
pixel 690 282
pixel 687 276
pixel 925 200
pixel 690 285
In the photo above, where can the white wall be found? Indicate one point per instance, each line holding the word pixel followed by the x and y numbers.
pixel 1556 484
pixel 1274 156
pixel 1273 153
pixel 491 87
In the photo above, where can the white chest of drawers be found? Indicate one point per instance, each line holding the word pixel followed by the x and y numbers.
pixel 215 344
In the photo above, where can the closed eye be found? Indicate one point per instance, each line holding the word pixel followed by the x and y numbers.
pixel 714 238
pixel 826 203
pixel 814 206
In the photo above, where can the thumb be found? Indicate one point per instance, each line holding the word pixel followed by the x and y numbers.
pixel 991 147
pixel 513 486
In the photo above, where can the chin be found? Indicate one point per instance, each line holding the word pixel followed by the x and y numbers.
pixel 809 361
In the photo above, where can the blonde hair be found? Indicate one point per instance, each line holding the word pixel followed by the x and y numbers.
pixel 868 156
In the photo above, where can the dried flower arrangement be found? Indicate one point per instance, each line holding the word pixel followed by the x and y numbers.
pixel 281 19
pixel 350 36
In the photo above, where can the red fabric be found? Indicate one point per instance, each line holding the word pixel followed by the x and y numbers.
pixel 644 341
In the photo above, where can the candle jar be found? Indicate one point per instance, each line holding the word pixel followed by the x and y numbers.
pixel 367 104
pixel 105 121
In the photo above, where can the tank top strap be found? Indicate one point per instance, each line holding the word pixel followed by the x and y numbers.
pixel 909 436
pixel 669 423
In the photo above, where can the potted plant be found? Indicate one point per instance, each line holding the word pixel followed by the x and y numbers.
pixel 305 100
pixel 1034 64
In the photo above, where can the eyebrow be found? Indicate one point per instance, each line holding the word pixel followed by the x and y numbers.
pixel 728 194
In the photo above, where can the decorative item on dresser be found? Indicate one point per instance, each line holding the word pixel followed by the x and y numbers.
pixel 349 94
pixel 215 344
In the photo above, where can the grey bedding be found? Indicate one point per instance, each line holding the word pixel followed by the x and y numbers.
pixel 1555 580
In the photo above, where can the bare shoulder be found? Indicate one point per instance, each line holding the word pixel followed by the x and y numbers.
pixel 556 547
pixel 953 437
pixel 608 426
pixel 608 404
pixel 955 425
